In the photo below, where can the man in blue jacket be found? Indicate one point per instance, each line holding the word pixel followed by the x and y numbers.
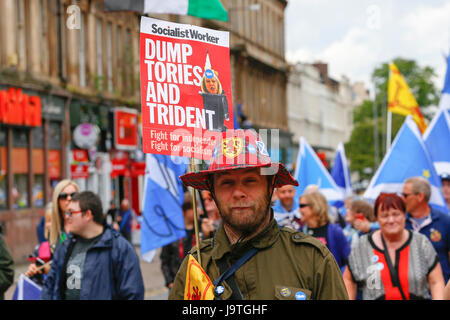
pixel 422 218
pixel 125 218
pixel 95 262
pixel 285 209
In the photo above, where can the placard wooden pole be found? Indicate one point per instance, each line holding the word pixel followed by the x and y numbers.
pixel 194 203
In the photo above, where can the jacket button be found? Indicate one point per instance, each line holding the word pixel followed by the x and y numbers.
pixel 296 237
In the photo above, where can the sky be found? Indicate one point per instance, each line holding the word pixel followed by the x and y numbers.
pixel 356 36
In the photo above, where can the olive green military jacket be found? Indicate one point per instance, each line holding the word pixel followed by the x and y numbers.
pixel 6 268
pixel 288 265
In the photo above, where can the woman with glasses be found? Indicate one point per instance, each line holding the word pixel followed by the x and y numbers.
pixel 393 263
pixel 62 194
pixel 316 222
pixel 58 230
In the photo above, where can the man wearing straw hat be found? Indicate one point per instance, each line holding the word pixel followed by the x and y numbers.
pixel 250 257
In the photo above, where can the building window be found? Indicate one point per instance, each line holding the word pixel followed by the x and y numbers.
pixel 128 61
pixel 38 166
pixel 54 135
pixel 20 191
pixel 44 39
pixel 20 168
pixel 119 59
pixel 38 137
pixel 38 191
pixel 99 55
pixel 109 56
pixel 21 32
pixel 54 154
pixel 81 52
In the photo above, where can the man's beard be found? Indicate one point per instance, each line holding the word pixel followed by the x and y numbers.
pixel 244 221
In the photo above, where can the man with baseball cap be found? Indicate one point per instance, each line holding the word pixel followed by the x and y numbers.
pixel 250 256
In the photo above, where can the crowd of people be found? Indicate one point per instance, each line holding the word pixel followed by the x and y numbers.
pixel 258 241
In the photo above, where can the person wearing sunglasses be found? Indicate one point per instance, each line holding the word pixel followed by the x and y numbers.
pixel 317 223
pixel 95 262
pixel 432 223
pixel 62 194
pixel 58 230
pixel 393 263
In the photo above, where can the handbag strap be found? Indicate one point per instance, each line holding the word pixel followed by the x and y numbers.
pixel 229 272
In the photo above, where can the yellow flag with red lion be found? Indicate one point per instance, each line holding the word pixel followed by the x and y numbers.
pixel 401 100
pixel 198 285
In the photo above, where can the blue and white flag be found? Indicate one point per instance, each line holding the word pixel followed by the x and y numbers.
pixel 162 216
pixel 27 289
pixel 437 141
pixel 311 171
pixel 408 157
pixel 341 173
pixel 444 103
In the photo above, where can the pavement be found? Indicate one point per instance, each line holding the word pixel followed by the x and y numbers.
pixel 154 283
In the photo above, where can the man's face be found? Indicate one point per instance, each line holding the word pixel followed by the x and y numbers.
pixel 286 195
pixel 410 199
pixel 446 190
pixel 350 216
pixel 210 205
pixel 242 199
pixel 189 215
pixel 124 205
pixel 211 85
pixel 77 219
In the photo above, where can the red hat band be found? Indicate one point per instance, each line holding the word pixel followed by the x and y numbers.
pixel 239 149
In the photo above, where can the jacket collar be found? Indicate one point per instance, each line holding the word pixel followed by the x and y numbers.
pixel 266 238
pixel 105 240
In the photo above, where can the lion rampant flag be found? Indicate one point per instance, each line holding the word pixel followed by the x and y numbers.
pixel 401 100
pixel 198 285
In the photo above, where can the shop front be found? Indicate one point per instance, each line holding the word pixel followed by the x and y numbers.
pixel 31 162
pixel 104 156
pixel 90 145
pixel 127 159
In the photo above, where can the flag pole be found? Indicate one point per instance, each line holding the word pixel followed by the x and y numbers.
pixel 389 117
pixel 194 203
pixel 375 128
pixel 389 130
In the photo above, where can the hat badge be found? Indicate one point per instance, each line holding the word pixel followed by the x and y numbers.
pixel 232 147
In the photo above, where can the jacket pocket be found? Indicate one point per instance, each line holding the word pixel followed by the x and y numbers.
pixel 291 293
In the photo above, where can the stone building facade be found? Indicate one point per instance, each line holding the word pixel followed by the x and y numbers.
pixel 81 64
pixel 320 108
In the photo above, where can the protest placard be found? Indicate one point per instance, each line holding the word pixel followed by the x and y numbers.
pixel 185 88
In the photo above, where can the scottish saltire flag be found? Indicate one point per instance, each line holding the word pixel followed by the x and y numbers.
pixel 341 174
pixel 311 171
pixel 27 289
pixel 162 216
pixel 437 141
pixel 408 157
pixel 444 103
